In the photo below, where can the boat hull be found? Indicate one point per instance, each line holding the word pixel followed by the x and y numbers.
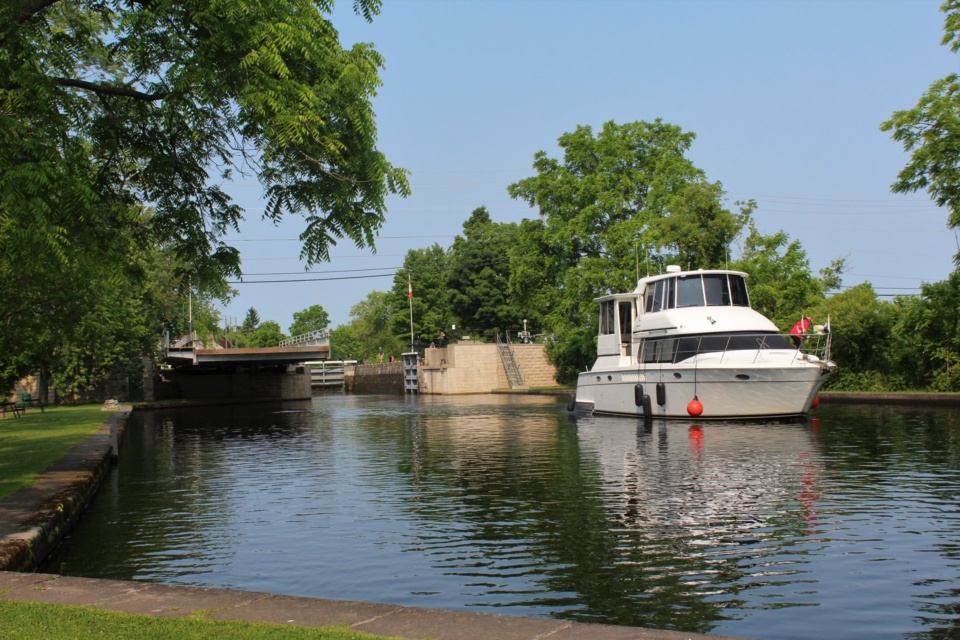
pixel 725 390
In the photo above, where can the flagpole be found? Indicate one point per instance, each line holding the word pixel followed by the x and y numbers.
pixel 410 300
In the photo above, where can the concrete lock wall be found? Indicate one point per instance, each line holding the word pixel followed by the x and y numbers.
pixel 536 368
pixel 467 367
pixel 384 377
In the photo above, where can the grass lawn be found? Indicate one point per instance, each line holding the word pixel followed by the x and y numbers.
pixel 30 443
pixel 29 620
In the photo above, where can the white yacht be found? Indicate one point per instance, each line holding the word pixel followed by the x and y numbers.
pixel 687 344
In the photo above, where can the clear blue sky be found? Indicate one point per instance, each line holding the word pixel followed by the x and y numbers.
pixel 785 98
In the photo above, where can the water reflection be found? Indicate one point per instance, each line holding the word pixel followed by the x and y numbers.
pixel 512 505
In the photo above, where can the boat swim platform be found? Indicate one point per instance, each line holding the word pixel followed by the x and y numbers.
pixel 230 359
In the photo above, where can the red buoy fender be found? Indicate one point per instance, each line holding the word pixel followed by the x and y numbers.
pixel 815 403
pixel 695 407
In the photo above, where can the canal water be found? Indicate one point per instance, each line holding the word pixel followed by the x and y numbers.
pixel 847 526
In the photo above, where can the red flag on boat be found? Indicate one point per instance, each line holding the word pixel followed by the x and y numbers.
pixel 409 287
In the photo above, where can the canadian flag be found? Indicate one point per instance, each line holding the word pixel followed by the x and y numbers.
pixel 409 287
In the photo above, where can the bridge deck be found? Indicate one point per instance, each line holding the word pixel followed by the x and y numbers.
pixel 268 356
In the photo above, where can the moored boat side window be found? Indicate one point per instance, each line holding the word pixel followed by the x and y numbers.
pixel 671 301
pixel 689 346
pixel 607 325
pixel 655 303
pixel 738 290
pixel 657 350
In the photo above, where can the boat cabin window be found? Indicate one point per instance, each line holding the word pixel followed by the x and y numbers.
pixel 739 290
pixel 690 291
pixel 717 288
pixel 660 350
pixel 711 289
pixel 626 320
pixel 660 296
pixel 607 326
pixel 679 349
pixel 654 297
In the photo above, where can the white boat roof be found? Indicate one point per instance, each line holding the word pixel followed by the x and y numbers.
pixel 671 272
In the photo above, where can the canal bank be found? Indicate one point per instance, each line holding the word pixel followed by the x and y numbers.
pixel 34 519
pixel 380 619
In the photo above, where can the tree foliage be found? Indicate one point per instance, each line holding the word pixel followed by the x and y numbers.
pixel 478 277
pixel 781 285
pixel 370 327
pixel 313 318
pixel 251 321
pixel 613 195
pixel 121 121
pixel 930 131
pixel 929 326
pixel 267 334
pixel 426 272
pixel 105 106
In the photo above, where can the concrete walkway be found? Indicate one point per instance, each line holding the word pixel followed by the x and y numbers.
pixel 34 519
pixel 382 619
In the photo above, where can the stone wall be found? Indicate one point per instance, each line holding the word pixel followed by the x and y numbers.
pixel 467 367
pixel 536 368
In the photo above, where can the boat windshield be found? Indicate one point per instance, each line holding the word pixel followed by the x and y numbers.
pixel 696 290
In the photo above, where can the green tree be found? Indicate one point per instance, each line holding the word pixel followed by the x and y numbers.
pixel 370 325
pixel 344 344
pixel 106 105
pixel 313 318
pixel 929 325
pixel 251 321
pixel 699 229
pixel 931 133
pixel 119 121
pixel 478 277
pixel 612 194
pixel 862 344
pixel 425 271
pixel 781 285
pixel 268 334
pixel 79 315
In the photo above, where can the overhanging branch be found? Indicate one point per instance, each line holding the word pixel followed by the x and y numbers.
pixel 32 9
pixel 102 89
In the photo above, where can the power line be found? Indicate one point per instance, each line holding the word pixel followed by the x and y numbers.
pixel 298 239
pixel 296 273
pixel 381 275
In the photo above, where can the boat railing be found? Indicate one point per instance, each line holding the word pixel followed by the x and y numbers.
pixel 816 344
pixel 674 350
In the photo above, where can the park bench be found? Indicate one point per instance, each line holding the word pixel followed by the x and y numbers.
pixel 6 405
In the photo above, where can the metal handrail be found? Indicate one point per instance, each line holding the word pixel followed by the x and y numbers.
pixel 813 345
pixel 514 376
pixel 310 336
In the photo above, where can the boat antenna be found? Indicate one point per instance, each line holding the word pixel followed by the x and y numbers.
pixel 636 257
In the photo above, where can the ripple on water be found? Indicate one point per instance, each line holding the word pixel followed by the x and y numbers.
pixel 849 529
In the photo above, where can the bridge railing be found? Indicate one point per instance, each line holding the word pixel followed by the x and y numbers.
pixel 310 338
